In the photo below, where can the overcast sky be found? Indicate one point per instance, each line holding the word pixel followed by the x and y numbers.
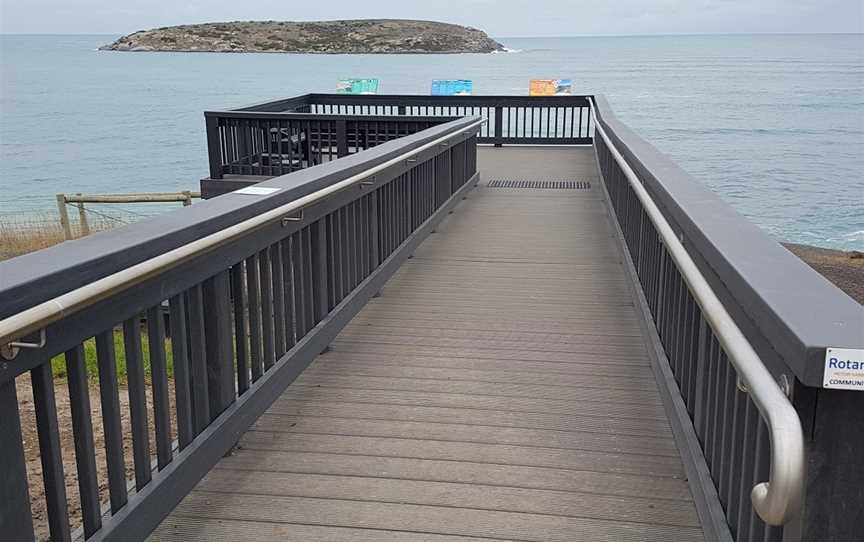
pixel 503 18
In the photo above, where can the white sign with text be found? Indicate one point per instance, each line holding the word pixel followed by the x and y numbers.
pixel 844 369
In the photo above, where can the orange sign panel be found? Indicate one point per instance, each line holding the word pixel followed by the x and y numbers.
pixel 550 87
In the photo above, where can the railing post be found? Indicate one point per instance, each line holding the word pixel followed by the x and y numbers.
pixel 341 138
pixel 213 153
pixel 16 523
pixel 499 128
pixel 402 110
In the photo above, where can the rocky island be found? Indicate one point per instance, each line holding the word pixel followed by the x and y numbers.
pixel 369 36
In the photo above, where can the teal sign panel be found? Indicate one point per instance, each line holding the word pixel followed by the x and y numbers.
pixel 357 86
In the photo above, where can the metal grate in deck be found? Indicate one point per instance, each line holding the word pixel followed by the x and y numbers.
pixel 543 185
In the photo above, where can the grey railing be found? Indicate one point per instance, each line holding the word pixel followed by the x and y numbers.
pixel 275 143
pixel 253 287
pixel 744 326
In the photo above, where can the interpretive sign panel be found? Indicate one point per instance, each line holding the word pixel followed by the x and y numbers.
pixel 452 87
pixel 550 87
pixel 357 86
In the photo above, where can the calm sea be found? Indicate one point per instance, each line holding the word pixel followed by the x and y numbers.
pixel 773 123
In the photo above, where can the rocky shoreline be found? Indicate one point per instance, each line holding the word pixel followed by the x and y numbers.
pixel 368 36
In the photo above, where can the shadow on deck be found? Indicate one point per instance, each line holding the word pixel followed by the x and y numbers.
pixel 499 388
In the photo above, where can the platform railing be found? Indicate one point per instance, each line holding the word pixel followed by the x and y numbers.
pixel 736 319
pixel 275 143
pixel 236 295
pixel 558 120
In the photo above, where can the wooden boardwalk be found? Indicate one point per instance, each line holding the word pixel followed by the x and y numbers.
pixel 499 389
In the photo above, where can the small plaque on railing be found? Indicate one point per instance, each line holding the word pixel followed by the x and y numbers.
pixel 452 87
pixel 357 86
pixel 844 369
pixel 550 87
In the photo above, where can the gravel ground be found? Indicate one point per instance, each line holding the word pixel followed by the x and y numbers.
pixel 844 269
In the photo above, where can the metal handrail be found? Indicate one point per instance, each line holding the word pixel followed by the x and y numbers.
pixel 37 317
pixel 779 499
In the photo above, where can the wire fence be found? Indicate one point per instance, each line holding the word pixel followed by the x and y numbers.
pixel 24 232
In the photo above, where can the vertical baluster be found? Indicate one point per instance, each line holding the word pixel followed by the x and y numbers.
pixel 309 290
pixel 587 121
pixel 198 357
pixel 337 256
pixel 580 122
pixel 366 235
pixel 108 392
pixel 711 402
pixel 82 431
pixel 332 262
pixel 253 291
pixel 373 232
pixel 700 407
pixel 49 452
pixel 299 285
pixel 266 288
pixel 280 146
pixel 278 299
pixel 287 294
pixel 159 379
pixel 720 449
pixel 345 270
pixel 319 272
pixel 182 392
pixel 760 473
pixel 732 473
pixel 220 347
pixel 350 260
pixel 725 447
pixel 16 523
pixel 137 401
pixel 241 345
pixel 741 526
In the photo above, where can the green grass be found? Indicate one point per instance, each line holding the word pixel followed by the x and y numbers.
pixel 58 363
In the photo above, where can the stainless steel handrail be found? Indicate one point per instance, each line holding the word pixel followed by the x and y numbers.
pixel 779 499
pixel 37 317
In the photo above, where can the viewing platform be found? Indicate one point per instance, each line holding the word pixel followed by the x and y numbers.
pixel 434 319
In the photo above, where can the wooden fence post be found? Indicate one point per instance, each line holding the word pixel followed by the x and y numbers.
pixel 64 216
pixel 82 219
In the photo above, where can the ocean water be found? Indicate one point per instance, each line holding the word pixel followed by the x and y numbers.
pixel 772 123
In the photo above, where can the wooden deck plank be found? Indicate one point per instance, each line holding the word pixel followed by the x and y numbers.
pixel 469 433
pixel 496 454
pixel 480 497
pixel 588 366
pixel 467 472
pixel 424 518
pixel 498 389
pixel 525 420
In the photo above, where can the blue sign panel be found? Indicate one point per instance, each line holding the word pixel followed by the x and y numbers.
pixel 452 87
